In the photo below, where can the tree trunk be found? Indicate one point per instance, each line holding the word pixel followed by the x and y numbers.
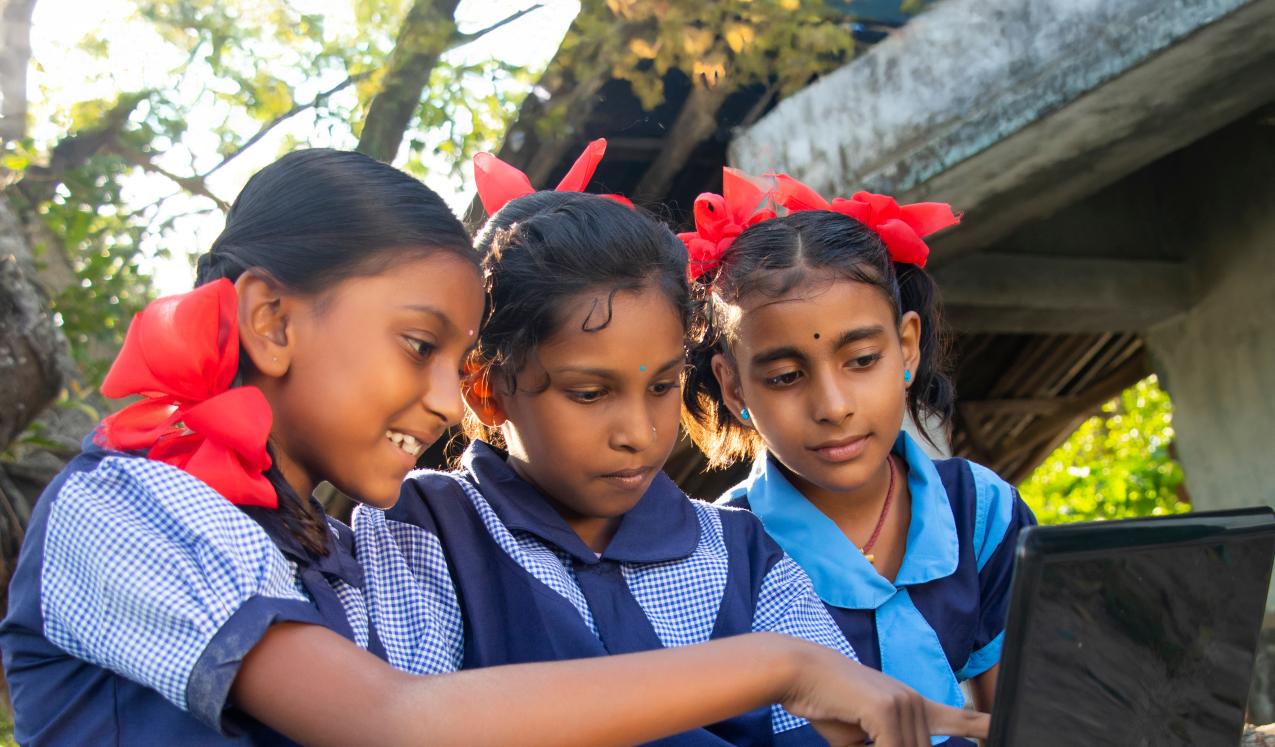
pixel 428 30
pixel 695 123
pixel 33 354
pixel 15 53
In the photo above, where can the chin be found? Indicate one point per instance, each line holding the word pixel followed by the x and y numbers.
pixel 380 494
pixel 838 479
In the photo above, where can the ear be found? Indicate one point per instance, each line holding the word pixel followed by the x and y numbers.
pixel 264 333
pixel 910 342
pixel 728 380
pixel 482 399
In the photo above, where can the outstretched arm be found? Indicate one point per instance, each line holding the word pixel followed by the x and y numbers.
pixel 345 695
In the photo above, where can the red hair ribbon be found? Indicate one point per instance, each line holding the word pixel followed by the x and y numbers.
pixel 901 227
pixel 499 182
pixel 181 355
pixel 720 219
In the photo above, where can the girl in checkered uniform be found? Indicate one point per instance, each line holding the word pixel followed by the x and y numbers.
pixel 178 586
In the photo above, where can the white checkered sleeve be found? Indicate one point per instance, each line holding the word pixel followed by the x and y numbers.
pixel 410 593
pixel 788 604
pixel 144 565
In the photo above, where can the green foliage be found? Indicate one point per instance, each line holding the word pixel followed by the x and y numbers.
pixel 6 728
pixel 730 43
pixel 1116 465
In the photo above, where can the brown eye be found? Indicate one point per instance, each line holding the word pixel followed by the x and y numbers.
pixel 784 379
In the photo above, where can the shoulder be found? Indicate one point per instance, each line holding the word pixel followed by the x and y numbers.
pixel 122 492
pixel 991 504
pixel 735 497
pixel 741 532
pixel 425 492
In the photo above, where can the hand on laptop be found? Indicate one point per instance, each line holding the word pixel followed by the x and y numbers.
pixel 849 704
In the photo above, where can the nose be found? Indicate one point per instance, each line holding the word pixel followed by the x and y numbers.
pixel 831 398
pixel 633 428
pixel 442 396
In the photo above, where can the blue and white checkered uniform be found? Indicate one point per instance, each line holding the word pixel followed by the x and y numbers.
pixel 677 572
pixel 138 592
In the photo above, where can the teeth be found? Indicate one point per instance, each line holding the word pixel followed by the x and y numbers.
pixel 405 442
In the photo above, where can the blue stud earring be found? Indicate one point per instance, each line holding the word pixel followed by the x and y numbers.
pixel 907 376
pixel 743 413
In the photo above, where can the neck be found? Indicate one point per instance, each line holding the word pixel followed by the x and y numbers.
pixel 297 477
pixel 594 531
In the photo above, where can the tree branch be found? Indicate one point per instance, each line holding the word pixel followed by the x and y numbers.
pixel 695 123
pixel 193 184
pixel 428 31
pixel 38 182
pixel 295 110
pixel 460 40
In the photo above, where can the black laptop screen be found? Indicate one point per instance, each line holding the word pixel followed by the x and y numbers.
pixel 1138 647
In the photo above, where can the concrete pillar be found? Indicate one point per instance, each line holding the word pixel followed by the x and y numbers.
pixel 1217 361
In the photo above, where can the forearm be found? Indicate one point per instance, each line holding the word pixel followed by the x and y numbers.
pixel 321 690
pixel 617 700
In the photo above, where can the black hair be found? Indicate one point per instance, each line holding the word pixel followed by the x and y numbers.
pixel 310 220
pixel 543 249
pixel 773 258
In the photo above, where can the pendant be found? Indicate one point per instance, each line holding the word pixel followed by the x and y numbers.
pixel 872 558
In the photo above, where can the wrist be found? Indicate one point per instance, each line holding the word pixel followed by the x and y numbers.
pixel 787 662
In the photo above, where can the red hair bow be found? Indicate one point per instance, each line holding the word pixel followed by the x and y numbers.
pixel 901 227
pixel 720 219
pixel 498 182
pixel 181 355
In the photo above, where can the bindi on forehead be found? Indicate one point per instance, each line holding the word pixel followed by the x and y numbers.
pixel 816 335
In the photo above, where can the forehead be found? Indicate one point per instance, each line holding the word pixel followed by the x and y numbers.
pixel 825 305
pixel 441 280
pixel 604 325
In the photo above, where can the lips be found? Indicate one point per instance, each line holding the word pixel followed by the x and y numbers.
pixel 630 478
pixel 842 449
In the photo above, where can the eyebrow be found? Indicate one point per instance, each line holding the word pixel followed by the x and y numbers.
pixel 786 352
pixel 610 374
pixel 434 312
pixel 851 336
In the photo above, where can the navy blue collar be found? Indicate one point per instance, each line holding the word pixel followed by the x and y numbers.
pixel 661 527
pixel 841 575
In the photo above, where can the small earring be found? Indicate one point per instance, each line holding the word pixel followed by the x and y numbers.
pixel 743 414
pixel 907 376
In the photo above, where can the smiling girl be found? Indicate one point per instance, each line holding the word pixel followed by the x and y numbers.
pixel 821 331
pixel 178 585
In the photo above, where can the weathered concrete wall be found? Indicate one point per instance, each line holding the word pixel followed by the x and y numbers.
pixel 1014 108
pixel 1218 360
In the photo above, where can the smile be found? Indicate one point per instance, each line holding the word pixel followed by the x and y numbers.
pixel 409 444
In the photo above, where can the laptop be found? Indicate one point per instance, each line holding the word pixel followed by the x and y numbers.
pixel 1134 632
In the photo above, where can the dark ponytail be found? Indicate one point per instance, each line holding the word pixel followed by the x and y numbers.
pixel 311 220
pixel 773 258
